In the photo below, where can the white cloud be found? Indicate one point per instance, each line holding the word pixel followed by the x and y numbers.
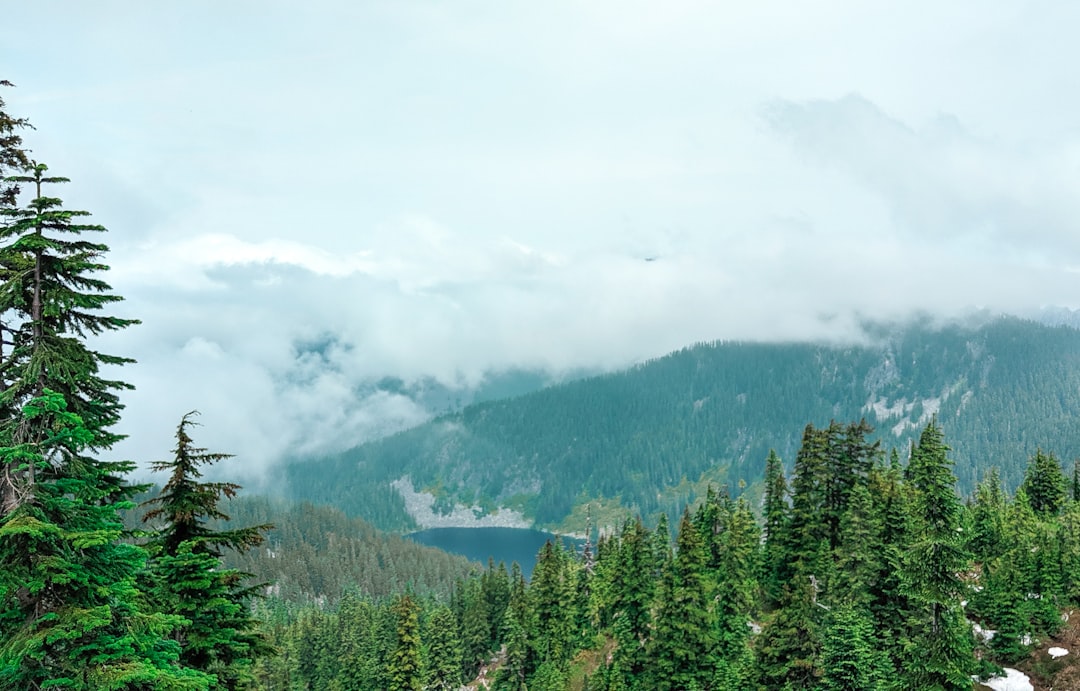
pixel 445 189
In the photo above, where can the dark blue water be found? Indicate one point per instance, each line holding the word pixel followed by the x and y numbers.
pixel 503 544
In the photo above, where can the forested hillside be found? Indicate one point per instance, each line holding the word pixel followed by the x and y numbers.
pixel 318 552
pixel 653 435
pixel 867 572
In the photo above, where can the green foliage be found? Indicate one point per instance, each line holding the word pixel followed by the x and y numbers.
pixel 220 636
pixel 50 301
pixel 404 667
pixel 443 650
pixel 12 154
pixel 1045 484
pixel 70 612
pixel 941 652
pixel 681 648
pixel 851 657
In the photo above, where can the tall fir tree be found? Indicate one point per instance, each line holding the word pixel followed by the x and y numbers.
pixel 70 613
pixel 941 653
pixel 1045 484
pixel 52 301
pixel 405 663
pixel 187 579
pixel 776 517
pixel 680 649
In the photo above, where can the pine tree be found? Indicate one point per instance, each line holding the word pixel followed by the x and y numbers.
pixel 808 527
pixel 443 650
pixel 851 659
pixel 12 154
pixel 51 301
pixel 70 613
pixel 776 517
pixel 787 651
pixel 680 650
pixel 1045 484
pixel 633 592
pixel 941 652
pixel 404 665
pixel 987 518
pixel 187 577
pixel 859 557
pixel 736 589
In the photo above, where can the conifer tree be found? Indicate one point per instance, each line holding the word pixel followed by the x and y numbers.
pixel 987 518
pixel 188 580
pixel 633 592
pixel 680 648
pixel 736 589
pixel 70 613
pixel 788 649
pixel 404 667
pixel 860 551
pixel 776 517
pixel 13 156
pixel 808 528
pixel 443 650
pixel 1076 481
pixel 1045 484
pixel 851 659
pixel 941 653
pixel 51 301
pixel 359 622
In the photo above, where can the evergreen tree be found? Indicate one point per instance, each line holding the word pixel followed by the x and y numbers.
pixel 776 517
pixel 680 651
pixel 808 527
pixel 475 629
pixel 70 613
pixel 517 624
pixel 404 666
pixel 787 651
pixel 12 154
pixel 443 650
pixel 941 653
pixel 859 562
pixel 1076 481
pixel 633 592
pixel 1045 484
pixel 51 301
pixel 850 658
pixel 736 589
pixel 987 518
pixel 222 637
pixel 359 623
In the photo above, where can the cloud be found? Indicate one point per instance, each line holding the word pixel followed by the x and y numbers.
pixel 940 181
pixel 440 191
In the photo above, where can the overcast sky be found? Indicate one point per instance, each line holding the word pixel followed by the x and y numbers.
pixel 444 188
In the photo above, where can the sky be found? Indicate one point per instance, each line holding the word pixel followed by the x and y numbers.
pixel 305 197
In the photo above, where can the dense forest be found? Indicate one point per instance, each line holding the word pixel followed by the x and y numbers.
pixel 861 568
pixel 865 571
pixel 650 439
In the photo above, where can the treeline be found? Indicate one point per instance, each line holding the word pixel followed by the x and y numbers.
pixel 864 572
pixel 653 436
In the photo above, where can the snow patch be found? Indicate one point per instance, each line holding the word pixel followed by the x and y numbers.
pixel 1056 652
pixel 884 411
pixel 986 635
pixel 1014 680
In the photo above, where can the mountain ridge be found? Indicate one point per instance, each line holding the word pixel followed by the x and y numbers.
pixel 647 438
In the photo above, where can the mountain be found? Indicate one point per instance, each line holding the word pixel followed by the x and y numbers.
pixel 650 438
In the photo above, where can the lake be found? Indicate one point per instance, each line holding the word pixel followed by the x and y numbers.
pixel 503 544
